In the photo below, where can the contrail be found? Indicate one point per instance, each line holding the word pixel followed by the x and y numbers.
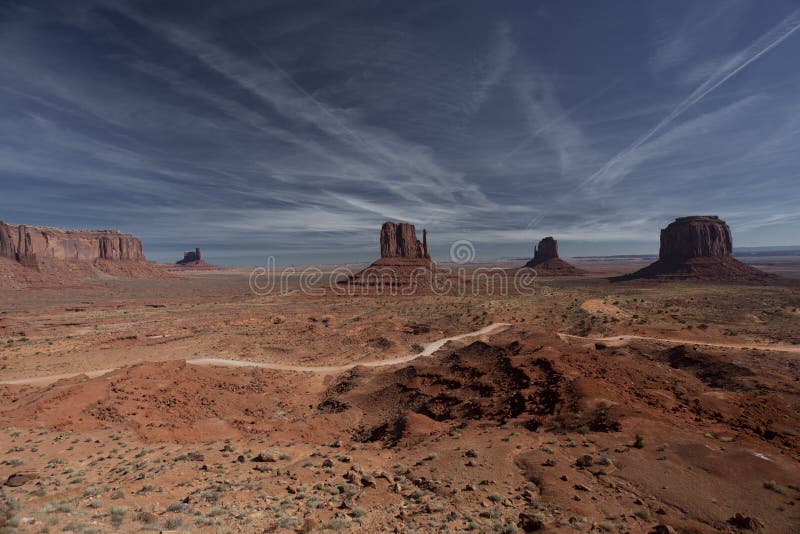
pixel 763 44
pixel 566 114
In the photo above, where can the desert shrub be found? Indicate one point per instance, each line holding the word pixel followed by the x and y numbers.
pixel 117 514
pixel 178 507
pixel 173 523
pixel 643 515
pixel 773 486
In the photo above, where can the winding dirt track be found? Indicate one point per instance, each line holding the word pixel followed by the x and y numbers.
pixel 428 350
pixel 618 341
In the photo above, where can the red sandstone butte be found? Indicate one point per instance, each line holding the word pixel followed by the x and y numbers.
pixel 403 258
pixel 546 261
pixel 399 240
pixel 698 247
pixel 28 244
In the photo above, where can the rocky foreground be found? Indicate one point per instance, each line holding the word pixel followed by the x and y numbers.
pixel 522 433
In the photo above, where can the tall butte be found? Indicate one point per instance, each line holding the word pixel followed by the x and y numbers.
pixel 698 247
pixel 399 241
pixel 547 262
pixel 403 259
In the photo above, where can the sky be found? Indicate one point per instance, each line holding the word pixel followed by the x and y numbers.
pixel 294 129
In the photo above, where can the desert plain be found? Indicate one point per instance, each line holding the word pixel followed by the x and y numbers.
pixel 186 402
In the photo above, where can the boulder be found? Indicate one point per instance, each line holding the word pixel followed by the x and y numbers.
pixel 16 480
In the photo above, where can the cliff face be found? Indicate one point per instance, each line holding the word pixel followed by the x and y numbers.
pixel 693 237
pixel 26 244
pixel 399 240
pixel 546 260
pixel 547 249
pixel 697 248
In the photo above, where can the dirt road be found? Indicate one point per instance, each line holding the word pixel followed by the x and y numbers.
pixel 428 350
pixel 619 341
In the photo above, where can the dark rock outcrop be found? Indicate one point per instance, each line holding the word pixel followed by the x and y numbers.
pixel 16 480
pixel 193 260
pixel 547 249
pixel 29 244
pixel 399 240
pixel 546 261
pixel 697 247
pixel 190 257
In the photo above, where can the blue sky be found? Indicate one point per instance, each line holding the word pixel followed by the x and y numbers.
pixel 294 129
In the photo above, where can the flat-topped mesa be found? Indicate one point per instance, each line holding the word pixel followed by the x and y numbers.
pixel 28 244
pixel 546 260
pixel 399 240
pixel 696 236
pixel 699 247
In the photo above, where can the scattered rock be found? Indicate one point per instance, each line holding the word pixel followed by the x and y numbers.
pixel 530 522
pixel 16 480
pixel 745 522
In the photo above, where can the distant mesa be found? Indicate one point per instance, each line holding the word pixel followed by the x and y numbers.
pixel 29 245
pixel 38 256
pixel 546 261
pixel 194 260
pixel 191 256
pixel 697 247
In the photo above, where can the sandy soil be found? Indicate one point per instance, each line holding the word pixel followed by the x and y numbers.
pixel 191 404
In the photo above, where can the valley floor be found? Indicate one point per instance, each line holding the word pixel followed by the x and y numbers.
pixel 191 404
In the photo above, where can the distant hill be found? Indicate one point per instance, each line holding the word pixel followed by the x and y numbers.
pixel 766 251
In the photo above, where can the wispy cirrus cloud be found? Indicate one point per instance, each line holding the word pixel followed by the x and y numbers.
pixel 609 172
pixel 300 130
